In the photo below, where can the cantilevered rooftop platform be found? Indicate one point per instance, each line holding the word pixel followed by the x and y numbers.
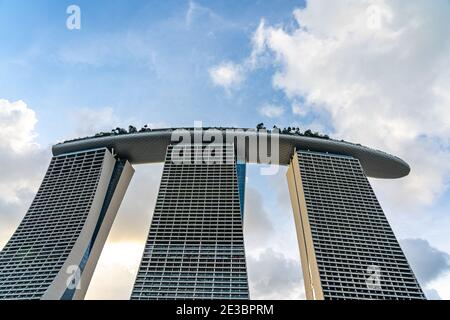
pixel 150 147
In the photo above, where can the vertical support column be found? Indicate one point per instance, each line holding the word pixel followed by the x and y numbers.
pixel 311 277
pixel 55 249
pixel 347 247
pixel 195 247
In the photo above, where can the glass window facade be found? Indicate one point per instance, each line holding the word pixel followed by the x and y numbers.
pixel 354 249
pixel 32 258
pixel 195 247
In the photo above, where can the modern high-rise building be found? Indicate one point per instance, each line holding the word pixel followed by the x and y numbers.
pixel 195 246
pixel 347 247
pixel 54 251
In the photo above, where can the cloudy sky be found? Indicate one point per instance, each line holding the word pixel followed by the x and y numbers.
pixel 369 71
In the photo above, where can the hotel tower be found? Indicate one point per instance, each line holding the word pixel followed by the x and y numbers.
pixel 195 245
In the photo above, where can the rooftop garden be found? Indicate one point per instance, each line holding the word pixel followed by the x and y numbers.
pixel 295 131
pixel 133 130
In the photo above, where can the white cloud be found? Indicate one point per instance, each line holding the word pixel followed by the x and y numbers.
pixel 226 75
pixel 196 11
pixel 21 155
pixel 192 7
pixel 22 161
pixel 258 45
pixel 109 49
pixel 298 110
pixel 302 110
pixel 375 72
pixel 380 72
pixel 17 121
pixel 88 121
pixel 271 111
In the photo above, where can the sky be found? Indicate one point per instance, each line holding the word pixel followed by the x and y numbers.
pixel 369 71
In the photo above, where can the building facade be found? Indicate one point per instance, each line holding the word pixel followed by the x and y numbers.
pixel 347 247
pixel 54 251
pixel 195 247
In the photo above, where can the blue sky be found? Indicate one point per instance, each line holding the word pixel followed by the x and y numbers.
pixel 374 72
pixel 56 70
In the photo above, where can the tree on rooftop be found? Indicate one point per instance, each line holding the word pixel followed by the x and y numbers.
pixel 260 126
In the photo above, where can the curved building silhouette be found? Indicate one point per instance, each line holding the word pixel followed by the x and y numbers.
pixel 195 246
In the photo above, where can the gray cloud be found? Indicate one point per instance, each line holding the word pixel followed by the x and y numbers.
pixel 274 276
pixel 427 262
pixel 133 219
pixel 257 225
